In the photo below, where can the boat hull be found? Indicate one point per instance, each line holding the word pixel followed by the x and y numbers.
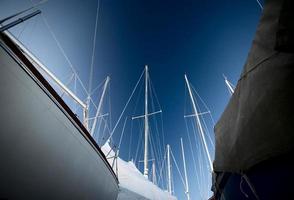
pixel 45 153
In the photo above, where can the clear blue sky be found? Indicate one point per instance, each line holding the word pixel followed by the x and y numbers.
pixel 202 38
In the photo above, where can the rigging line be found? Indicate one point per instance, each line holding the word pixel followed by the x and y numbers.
pixel 161 118
pixel 130 143
pixel 200 163
pixel 166 177
pixel 24 25
pixel 140 150
pixel 109 106
pixel 208 132
pixel 259 4
pixel 205 133
pixel 122 133
pixel 173 184
pixel 97 87
pixel 161 169
pixel 157 141
pixel 200 149
pixel 106 126
pixel 203 102
pixel 162 129
pixel 29 38
pixel 126 105
pixel 132 123
pixel 75 91
pixel 151 142
pixel 93 50
pixel 103 133
pixel 193 156
pixel 105 122
pixel 153 93
pixel 137 100
pixel 152 87
pixel 99 126
pixel 63 52
pixel 140 139
pixel 182 179
pixel 67 83
pixel 92 101
pixel 199 145
pixel 154 150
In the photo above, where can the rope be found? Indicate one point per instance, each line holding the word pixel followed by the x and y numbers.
pixel 98 86
pixel 126 105
pixel 204 104
pixel 193 156
pixel 93 50
pixel 259 4
pixel 24 25
pixel 182 179
pixel 133 113
pixel 63 52
pixel 241 188
pixel 123 130
pixel 160 171
pixel 251 186
pixel 130 143
pixel 140 143
pixel 158 141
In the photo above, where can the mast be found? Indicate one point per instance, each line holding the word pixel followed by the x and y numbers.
pixel 198 122
pixel 146 127
pixel 185 172
pixel 86 115
pixel 169 186
pixel 229 85
pixel 153 172
pixel 99 105
pixel 146 123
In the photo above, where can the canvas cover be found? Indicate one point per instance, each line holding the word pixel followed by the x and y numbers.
pixel 258 122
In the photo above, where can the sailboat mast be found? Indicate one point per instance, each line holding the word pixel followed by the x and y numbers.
pixel 198 122
pixel 100 105
pixel 229 85
pixel 153 172
pixel 169 188
pixel 146 125
pixel 185 172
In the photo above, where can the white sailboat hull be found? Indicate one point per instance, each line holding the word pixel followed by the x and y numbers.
pixel 45 153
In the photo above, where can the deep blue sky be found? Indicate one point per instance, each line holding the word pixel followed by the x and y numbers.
pixel 202 38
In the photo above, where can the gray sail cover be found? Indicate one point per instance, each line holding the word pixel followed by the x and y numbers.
pixel 258 122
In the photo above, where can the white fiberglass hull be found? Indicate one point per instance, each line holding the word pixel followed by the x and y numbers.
pixel 45 153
